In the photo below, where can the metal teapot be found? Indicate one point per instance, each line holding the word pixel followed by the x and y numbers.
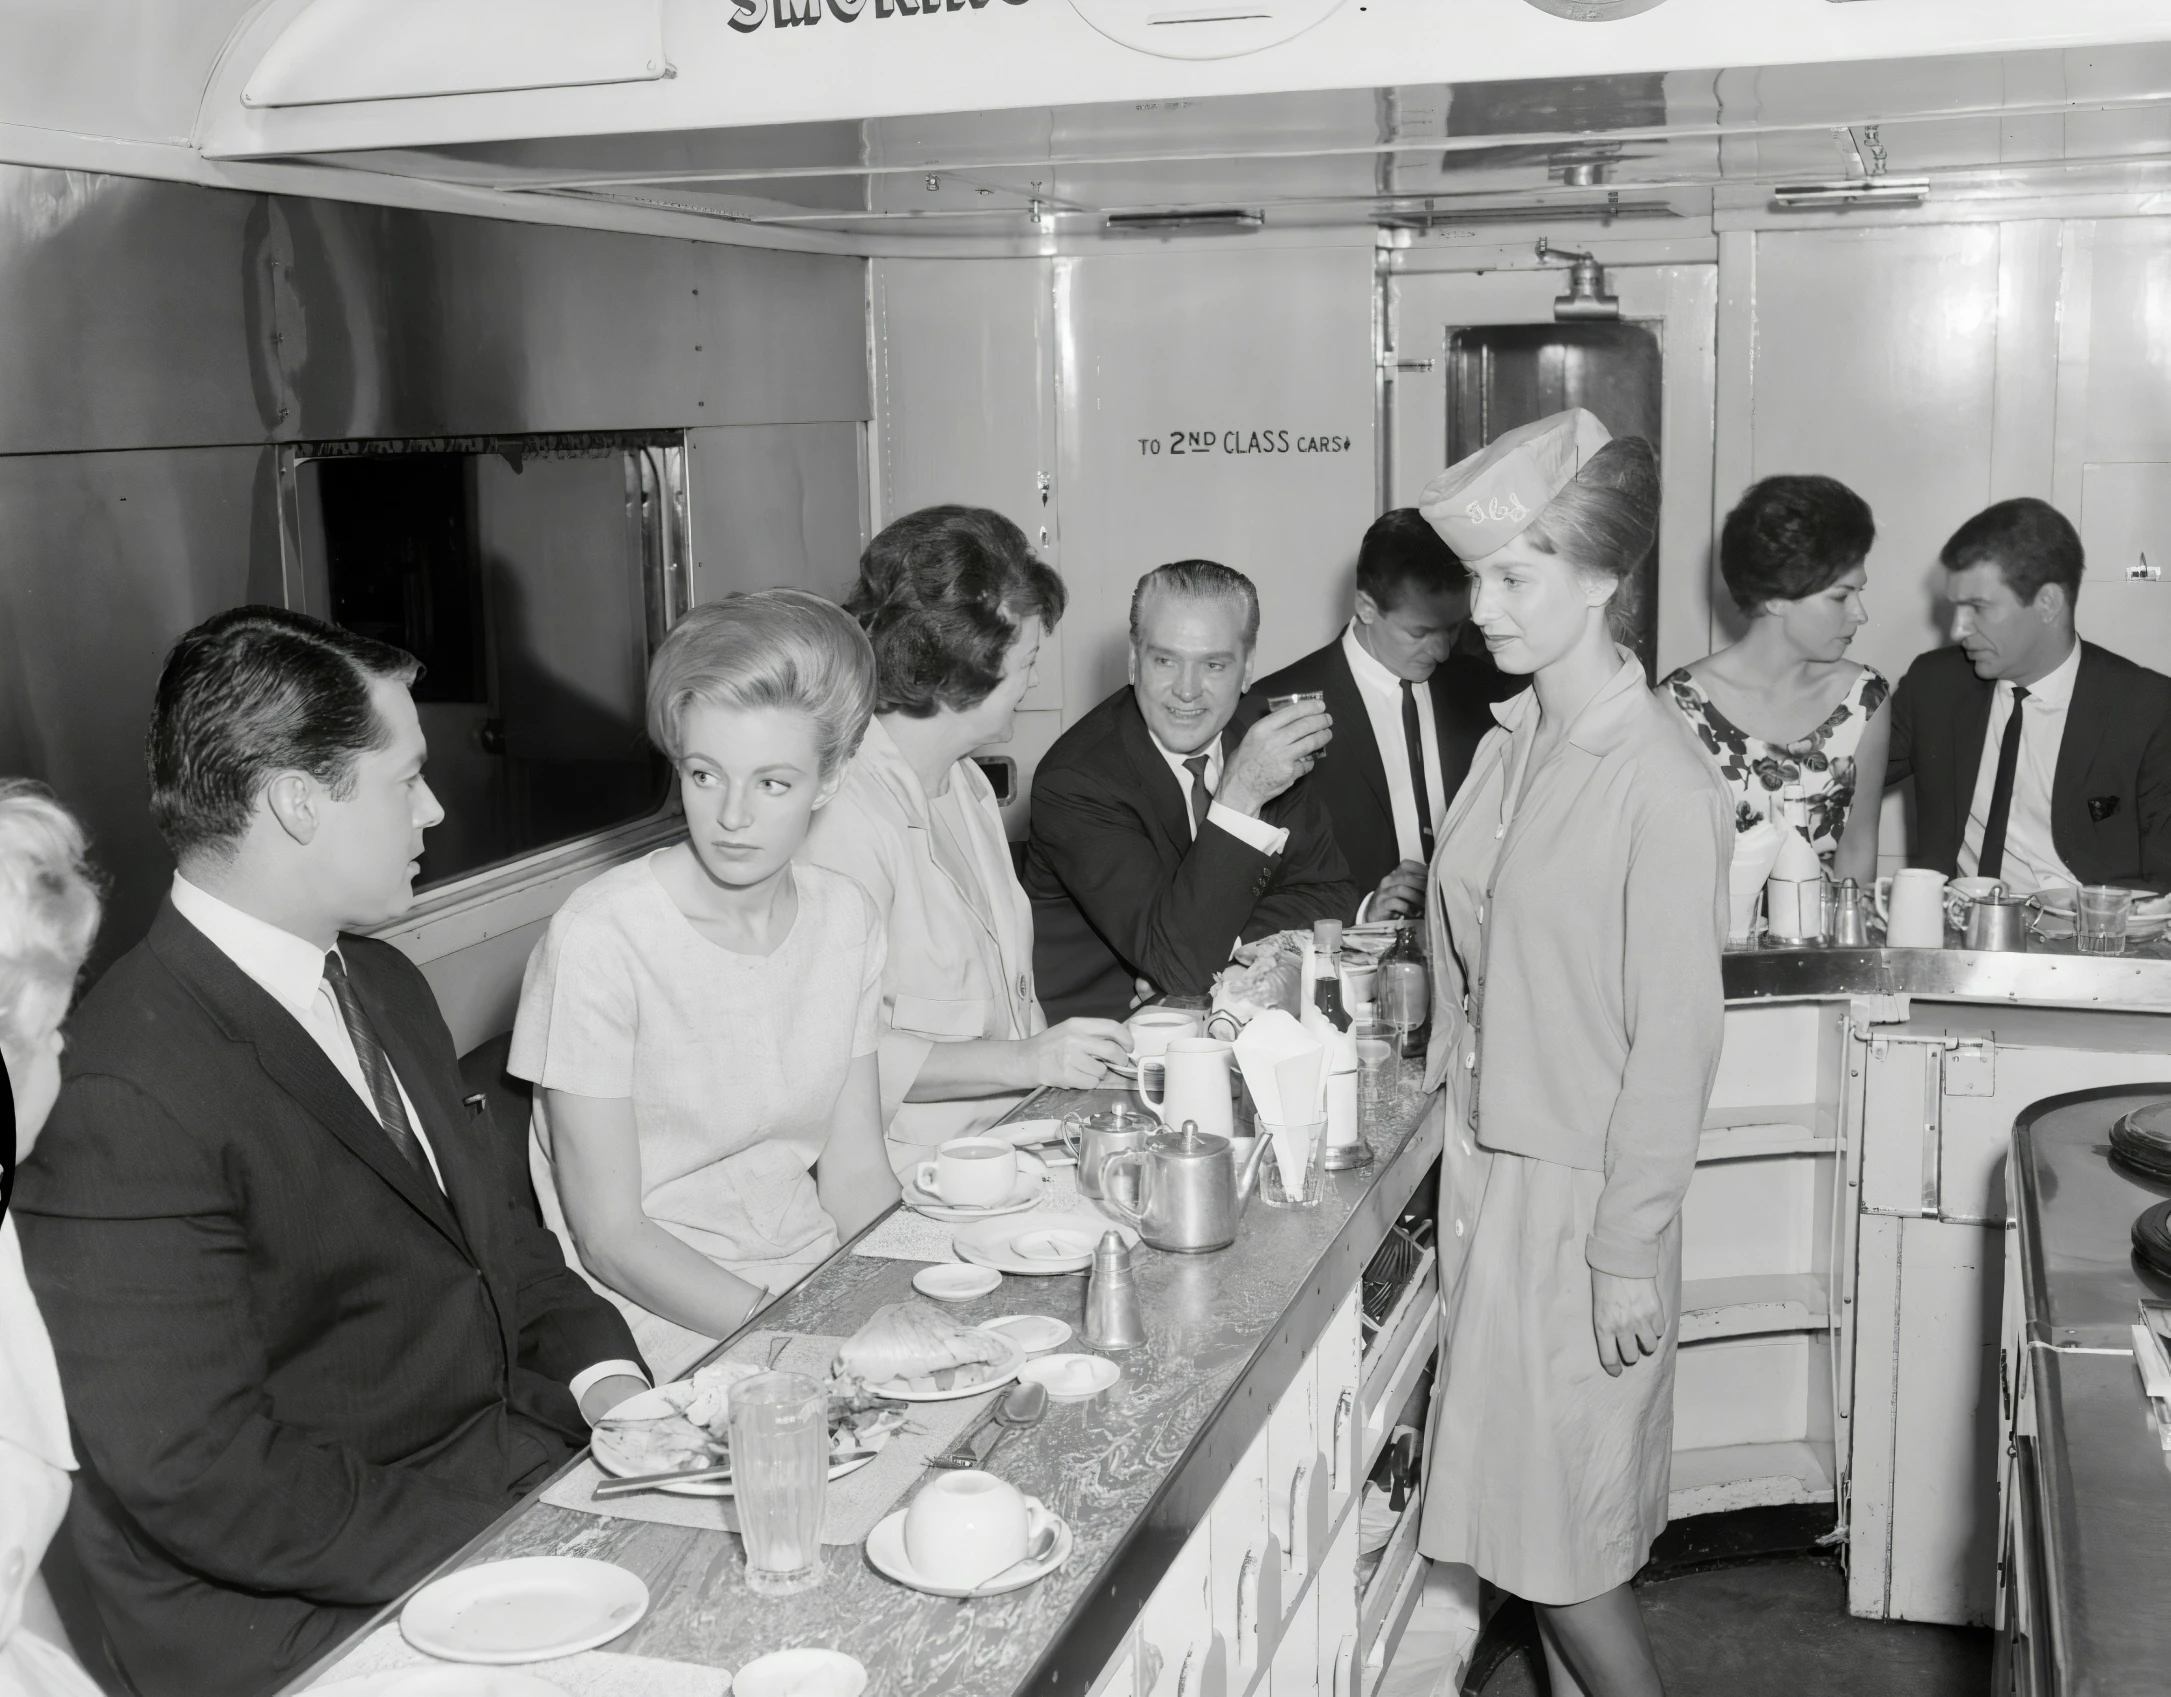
pixel 1186 1193
pixel 1093 1139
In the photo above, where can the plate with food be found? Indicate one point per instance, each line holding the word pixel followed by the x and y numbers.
pixel 913 1352
pixel 686 1427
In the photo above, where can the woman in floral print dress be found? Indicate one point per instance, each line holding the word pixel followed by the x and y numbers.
pixel 1783 711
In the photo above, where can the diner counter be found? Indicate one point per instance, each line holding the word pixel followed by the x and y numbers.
pixel 2049 974
pixel 2098 1481
pixel 1133 1470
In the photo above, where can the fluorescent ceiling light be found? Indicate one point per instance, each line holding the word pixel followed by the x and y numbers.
pixel 1862 191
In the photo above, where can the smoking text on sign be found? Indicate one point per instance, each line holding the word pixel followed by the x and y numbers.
pixel 749 15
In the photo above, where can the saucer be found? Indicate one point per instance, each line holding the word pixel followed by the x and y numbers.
pixel 886 1554
pixel 1037 1333
pixel 1071 1378
pixel 1058 1243
pixel 527 1609
pixel 953 1281
pixel 1031 1187
pixel 801 1673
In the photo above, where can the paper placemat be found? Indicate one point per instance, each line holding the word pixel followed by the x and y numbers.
pixel 592 1673
pixel 851 1506
pixel 906 1236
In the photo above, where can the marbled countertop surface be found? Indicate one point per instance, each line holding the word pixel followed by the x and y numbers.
pixel 1102 1464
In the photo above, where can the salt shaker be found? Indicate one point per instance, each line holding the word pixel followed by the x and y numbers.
pixel 1849 929
pixel 1112 1317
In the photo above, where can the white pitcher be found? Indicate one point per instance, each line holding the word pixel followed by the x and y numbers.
pixel 1194 1085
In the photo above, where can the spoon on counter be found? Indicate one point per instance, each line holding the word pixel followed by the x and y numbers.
pixel 1042 1548
pixel 1022 1405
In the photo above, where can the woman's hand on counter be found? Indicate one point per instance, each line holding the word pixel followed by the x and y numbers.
pixel 1076 1054
pixel 1627 1319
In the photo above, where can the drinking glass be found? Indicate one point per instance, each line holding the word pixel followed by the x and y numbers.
pixel 1379 1076
pixel 2099 919
pixel 779 1468
pixel 1291 1173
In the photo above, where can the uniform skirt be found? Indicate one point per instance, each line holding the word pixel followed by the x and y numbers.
pixel 1546 1475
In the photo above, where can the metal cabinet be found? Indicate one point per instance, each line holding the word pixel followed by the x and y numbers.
pixel 1337 1588
pixel 1297 1479
pixel 1180 1654
pixel 1339 1419
pixel 1247 1569
pixel 1295 1671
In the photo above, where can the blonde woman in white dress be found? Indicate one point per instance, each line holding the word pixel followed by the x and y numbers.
pixel 48 914
pixel 702 1024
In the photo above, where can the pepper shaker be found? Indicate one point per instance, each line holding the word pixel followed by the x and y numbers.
pixel 1112 1317
pixel 1849 929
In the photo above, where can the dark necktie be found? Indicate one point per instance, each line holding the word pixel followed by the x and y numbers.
pixel 1992 861
pixel 1415 743
pixel 384 1089
pixel 1201 797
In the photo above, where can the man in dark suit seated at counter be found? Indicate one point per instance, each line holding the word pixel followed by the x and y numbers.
pixel 2037 758
pixel 1166 827
pixel 1409 708
pixel 311 1334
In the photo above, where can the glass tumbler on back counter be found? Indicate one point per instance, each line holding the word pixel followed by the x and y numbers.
pixel 779 1468
pixel 2099 919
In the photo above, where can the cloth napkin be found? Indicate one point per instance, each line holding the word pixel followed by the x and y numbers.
pixel 592 1673
pixel 851 1506
pixel 1755 851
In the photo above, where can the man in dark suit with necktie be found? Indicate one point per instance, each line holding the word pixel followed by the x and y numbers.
pixel 312 1335
pixel 2037 758
pixel 1409 707
pixel 1166 826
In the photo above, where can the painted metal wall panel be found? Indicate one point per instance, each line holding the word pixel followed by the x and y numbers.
pixel 104 560
pixel 776 504
pixel 1214 403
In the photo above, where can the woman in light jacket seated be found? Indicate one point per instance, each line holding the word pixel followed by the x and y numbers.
pixel 957 606
pixel 701 1023
pixel 48 913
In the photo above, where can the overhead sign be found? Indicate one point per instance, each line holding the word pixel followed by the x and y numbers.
pixel 748 16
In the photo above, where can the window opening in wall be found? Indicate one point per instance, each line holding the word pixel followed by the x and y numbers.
pixel 533 576
pixel 1500 376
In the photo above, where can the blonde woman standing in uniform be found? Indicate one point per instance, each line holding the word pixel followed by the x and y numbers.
pixel 1578 908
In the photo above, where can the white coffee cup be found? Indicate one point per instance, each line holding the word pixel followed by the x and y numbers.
pixel 970 1172
pixel 1912 905
pixel 966 1527
pixel 1154 1029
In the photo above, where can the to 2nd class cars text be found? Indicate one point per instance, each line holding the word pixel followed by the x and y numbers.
pixel 1243 442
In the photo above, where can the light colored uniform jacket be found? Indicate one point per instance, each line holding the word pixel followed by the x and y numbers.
pixel 952 974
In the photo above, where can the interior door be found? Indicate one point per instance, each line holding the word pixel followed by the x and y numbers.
pixel 1677 303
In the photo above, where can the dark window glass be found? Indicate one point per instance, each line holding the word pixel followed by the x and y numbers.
pixel 532 578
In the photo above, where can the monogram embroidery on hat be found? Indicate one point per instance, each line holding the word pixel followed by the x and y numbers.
pixel 1500 512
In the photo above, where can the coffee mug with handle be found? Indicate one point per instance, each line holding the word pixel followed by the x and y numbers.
pixel 966 1527
pixel 1152 1030
pixel 970 1172
pixel 1912 905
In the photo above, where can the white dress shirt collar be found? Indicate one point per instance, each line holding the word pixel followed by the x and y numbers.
pixel 1212 751
pixel 1366 666
pixel 288 968
pixel 2055 687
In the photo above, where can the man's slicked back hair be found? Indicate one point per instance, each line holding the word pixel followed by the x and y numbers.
pixel 1201 580
pixel 250 693
pixel 2032 542
pixel 1401 553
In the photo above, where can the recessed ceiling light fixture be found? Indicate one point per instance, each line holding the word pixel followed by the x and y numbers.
pixel 1228 220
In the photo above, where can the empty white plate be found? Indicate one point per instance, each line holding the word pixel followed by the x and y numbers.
pixel 801 1673
pixel 526 1609
pixel 1054 1243
pixel 954 1281
pixel 1037 1333
pixel 1072 1378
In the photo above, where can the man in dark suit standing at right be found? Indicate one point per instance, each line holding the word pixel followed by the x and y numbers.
pixel 2037 758
pixel 1409 703
pixel 312 1336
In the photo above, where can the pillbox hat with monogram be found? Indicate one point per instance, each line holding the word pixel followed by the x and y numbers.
pixel 1481 503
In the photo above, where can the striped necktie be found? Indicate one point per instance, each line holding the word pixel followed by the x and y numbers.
pixel 384 1089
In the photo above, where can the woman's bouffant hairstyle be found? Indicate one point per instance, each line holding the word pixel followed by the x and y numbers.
pixel 250 693
pixel 48 912
pixel 1605 520
pixel 766 648
pixel 1792 537
pixel 941 594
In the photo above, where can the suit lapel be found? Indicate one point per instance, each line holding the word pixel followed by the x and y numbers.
pixel 1345 704
pixel 1970 724
pixel 2086 719
pixel 1166 802
pixel 292 1060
